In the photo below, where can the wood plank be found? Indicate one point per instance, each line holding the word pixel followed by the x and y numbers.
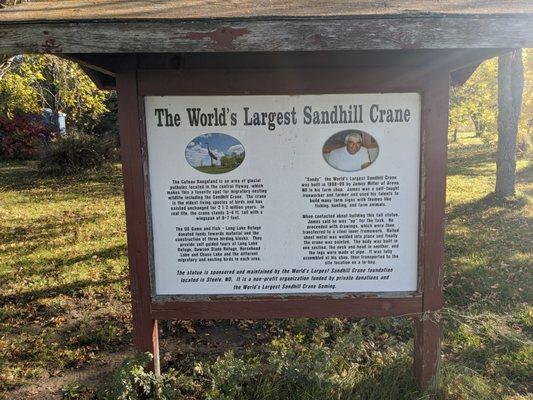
pixel 503 31
pixel 145 328
pixel 428 328
pixel 101 67
pixel 312 307
pixel 76 10
pixel 434 150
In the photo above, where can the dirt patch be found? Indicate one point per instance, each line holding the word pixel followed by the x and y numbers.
pixel 90 377
pixel 181 342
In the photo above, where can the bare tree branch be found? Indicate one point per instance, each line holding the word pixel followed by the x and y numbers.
pixel 5 64
pixel 5 3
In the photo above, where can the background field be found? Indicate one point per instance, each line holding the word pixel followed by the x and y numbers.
pixel 215 169
pixel 65 314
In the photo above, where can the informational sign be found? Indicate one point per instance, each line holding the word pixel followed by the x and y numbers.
pixel 284 194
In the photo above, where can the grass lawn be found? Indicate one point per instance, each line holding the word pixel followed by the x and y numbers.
pixel 215 169
pixel 65 315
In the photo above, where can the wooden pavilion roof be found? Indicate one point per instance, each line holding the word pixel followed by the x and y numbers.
pixel 156 26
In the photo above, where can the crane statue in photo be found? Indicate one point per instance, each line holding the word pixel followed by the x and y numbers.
pixel 211 155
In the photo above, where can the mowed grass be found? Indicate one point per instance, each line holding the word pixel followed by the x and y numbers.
pixel 64 301
pixel 488 277
pixel 63 271
pixel 215 169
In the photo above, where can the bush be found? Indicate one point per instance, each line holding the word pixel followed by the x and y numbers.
pixel 75 152
pixel 21 137
pixel 133 382
pixel 107 124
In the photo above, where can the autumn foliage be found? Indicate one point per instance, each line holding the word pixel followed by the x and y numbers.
pixel 21 137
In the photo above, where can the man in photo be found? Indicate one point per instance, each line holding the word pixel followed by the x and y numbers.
pixel 352 157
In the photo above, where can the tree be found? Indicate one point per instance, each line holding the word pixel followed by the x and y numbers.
pixel 458 115
pixel 475 100
pixel 525 127
pixel 510 89
pixel 17 94
pixel 34 82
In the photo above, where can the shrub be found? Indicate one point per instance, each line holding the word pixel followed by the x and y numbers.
pixel 21 137
pixel 133 382
pixel 107 124
pixel 75 152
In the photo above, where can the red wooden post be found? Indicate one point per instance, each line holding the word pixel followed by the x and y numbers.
pixel 428 330
pixel 145 330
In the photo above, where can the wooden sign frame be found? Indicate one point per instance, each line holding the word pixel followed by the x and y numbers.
pixel 433 85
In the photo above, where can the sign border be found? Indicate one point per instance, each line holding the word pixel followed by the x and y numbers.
pixel 430 80
pixel 252 82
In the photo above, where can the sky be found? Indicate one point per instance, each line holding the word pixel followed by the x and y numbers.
pixel 219 143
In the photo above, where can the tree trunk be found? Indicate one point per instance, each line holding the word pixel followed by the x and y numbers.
pixel 477 125
pixel 5 64
pixel 455 135
pixel 480 127
pixel 510 88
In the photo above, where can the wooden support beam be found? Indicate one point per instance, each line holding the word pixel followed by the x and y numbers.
pixel 145 329
pixel 102 82
pixel 459 77
pixel 428 330
pixel 428 334
pixel 308 34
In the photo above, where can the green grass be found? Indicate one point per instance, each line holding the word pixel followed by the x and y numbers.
pixel 488 276
pixel 63 271
pixel 64 302
pixel 215 169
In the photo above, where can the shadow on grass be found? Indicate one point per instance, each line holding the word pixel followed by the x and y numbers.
pixel 470 159
pixel 102 183
pixel 483 239
pixel 41 229
pixel 69 289
pixel 53 266
pixel 502 360
pixel 394 380
pixel 112 252
pixel 524 177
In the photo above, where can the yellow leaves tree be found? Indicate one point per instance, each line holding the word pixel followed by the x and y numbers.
pixel 475 103
pixel 476 100
pixel 525 127
pixel 35 82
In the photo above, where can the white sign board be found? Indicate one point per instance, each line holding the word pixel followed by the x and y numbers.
pixel 284 194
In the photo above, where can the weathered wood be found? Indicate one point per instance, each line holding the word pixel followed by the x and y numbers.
pixel 309 34
pixel 428 79
pixel 101 67
pixel 194 9
pixel 235 81
pixel 510 89
pixel 428 333
pixel 434 161
pixel 102 81
pixel 428 330
pixel 451 59
pixel 145 329
pixel 311 306
pixel 282 81
pixel 459 77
